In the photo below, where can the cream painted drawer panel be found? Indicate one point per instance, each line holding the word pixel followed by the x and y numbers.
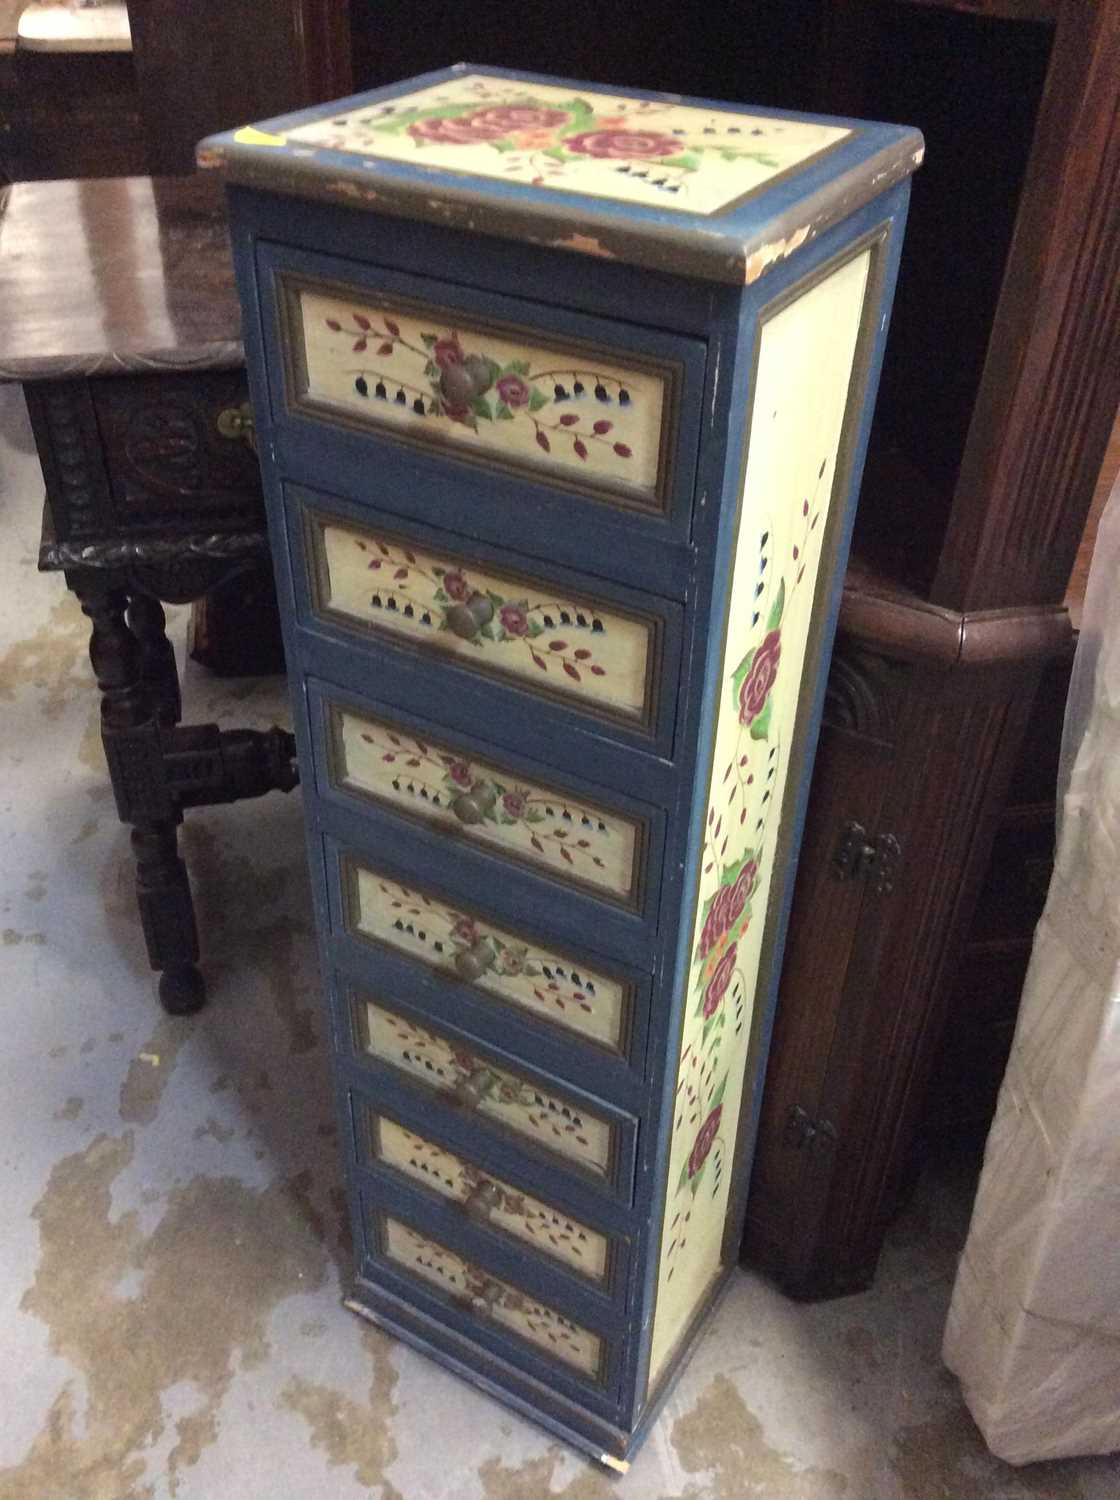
pixel 489 1199
pixel 490 1299
pixel 476 952
pixel 570 838
pixel 510 398
pixel 496 623
pixel 539 1116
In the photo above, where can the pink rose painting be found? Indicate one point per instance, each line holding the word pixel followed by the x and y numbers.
pixel 756 685
pixel 462 131
pixel 704 1141
pixel 717 985
pixel 519 117
pixel 447 352
pixel 513 390
pixel 456 587
pixel 624 145
pixel 741 890
pixel 514 619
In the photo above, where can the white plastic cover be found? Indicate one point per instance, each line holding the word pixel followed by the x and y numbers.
pixel 1034 1325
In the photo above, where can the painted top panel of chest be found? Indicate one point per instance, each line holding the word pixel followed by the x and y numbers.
pixel 633 150
pixel 714 190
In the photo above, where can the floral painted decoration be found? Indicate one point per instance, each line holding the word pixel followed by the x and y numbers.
pixel 534 623
pixel 438 777
pixel 739 807
pixel 644 137
pixel 467 386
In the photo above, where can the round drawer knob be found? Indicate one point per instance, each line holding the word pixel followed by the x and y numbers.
pixel 473 806
pixel 466 620
pixel 471 1091
pixel 485 1299
pixel 483 1200
pixel 235 422
pixel 471 963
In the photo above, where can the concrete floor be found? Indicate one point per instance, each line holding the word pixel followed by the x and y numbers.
pixel 173 1236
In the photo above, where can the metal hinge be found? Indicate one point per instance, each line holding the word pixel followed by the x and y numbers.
pixel 860 856
pixel 803 1131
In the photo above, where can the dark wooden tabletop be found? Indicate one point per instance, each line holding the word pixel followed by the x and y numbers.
pixel 115 274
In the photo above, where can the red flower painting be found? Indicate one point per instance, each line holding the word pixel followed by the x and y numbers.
pixel 622 145
pixel 760 679
pixel 704 1141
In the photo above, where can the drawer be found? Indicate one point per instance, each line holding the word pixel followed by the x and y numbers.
pixel 436 595
pixel 593 1139
pixel 489 1302
pixel 460 943
pixel 569 416
pixel 487 1199
pixel 469 796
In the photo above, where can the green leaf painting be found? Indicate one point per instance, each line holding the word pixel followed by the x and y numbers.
pixel 777 609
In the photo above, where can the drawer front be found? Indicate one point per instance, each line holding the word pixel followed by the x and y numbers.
pixel 487 1199
pixel 503 395
pixel 533 1112
pixel 579 841
pixel 487 1298
pixel 474 951
pixel 508 624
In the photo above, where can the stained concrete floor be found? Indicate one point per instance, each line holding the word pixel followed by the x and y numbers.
pixel 173 1236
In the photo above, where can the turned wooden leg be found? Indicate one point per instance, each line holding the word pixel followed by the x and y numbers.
pixel 160 676
pixel 130 732
pixel 167 915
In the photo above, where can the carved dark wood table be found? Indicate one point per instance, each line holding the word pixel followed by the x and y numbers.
pixel 118 316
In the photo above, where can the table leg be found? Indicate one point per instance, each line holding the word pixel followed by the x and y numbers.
pixel 148 624
pixel 123 658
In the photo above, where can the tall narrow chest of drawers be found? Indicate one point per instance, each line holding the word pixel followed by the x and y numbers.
pixel 561 401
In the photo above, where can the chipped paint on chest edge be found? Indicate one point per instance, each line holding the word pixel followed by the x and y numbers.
pixel 584 244
pixel 765 256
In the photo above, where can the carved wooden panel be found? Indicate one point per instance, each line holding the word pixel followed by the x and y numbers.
pixel 169 460
pixel 69 445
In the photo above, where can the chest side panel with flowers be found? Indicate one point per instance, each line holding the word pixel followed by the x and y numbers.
pixel 546 1229
pixel 646 151
pixel 511 625
pixel 540 1116
pixel 566 836
pixel 465 946
pixel 801 396
pixel 490 394
pixel 492 1299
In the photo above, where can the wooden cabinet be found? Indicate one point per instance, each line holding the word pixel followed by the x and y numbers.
pixel 562 400
pixel 996 404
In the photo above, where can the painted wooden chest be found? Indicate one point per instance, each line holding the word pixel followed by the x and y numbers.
pixel 562 398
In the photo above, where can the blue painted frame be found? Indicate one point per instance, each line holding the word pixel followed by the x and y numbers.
pixel 607 1298
pixel 402 666
pixel 446 1022
pixel 882 221
pixel 543 1040
pixel 673 775
pixel 844 177
pixel 556 518
pixel 517 891
pixel 601 1397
